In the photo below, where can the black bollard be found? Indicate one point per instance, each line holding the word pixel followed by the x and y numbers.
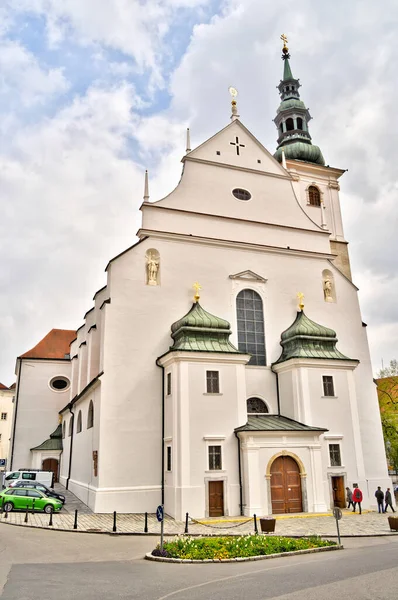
pixel 50 524
pixel 26 515
pixel 114 522
pixel 186 523
pixel 5 514
pixel 146 523
pixel 255 524
pixel 75 523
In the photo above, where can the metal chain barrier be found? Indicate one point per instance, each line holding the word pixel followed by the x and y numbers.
pixel 221 526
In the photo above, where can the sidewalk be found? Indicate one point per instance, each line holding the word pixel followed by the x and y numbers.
pixel 367 524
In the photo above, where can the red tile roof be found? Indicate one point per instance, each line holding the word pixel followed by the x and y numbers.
pixel 54 345
pixel 3 387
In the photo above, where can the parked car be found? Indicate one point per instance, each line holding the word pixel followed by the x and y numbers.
pixel 21 499
pixel 38 486
pixel 46 477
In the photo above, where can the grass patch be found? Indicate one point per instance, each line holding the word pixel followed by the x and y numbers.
pixel 201 548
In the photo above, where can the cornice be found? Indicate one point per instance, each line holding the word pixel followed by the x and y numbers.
pixel 234 167
pixel 317 363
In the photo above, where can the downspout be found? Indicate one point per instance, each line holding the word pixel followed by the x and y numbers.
pixel 161 367
pixel 71 446
pixel 15 414
pixel 240 476
pixel 277 391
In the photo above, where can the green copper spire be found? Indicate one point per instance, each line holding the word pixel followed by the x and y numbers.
pixel 201 331
pixel 292 119
pixel 307 339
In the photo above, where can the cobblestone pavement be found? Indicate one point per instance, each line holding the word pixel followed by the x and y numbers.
pixel 369 523
pixel 72 503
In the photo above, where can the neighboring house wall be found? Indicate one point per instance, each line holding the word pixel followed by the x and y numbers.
pixel 6 408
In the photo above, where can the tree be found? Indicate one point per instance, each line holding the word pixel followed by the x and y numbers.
pixel 387 390
pixel 391 371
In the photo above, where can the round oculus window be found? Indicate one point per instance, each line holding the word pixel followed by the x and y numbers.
pixel 59 384
pixel 241 194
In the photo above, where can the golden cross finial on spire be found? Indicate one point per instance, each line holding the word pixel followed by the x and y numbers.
pixel 196 286
pixel 300 297
pixel 284 40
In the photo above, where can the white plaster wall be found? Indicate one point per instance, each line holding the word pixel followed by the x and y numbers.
pixel 38 406
pixel 6 406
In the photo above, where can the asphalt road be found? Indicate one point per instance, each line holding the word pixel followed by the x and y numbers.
pixel 37 564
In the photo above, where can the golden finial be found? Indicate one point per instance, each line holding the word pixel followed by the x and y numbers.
pixel 300 297
pixel 196 286
pixel 234 109
pixel 284 40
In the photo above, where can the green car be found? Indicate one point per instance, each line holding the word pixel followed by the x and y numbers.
pixel 23 498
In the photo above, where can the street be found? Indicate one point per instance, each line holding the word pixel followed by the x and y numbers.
pixel 36 564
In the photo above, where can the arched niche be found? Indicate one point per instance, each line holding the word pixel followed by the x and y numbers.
pixel 328 286
pixel 152 267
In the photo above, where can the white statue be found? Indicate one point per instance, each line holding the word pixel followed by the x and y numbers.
pixel 152 269
pixel 328 289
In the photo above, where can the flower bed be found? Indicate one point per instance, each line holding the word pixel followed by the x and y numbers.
pixel 218 548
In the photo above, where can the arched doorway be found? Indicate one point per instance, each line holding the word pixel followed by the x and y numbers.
pixel 286 493
pixel 51 464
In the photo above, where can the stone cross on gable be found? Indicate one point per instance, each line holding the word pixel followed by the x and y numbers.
pixel 237 145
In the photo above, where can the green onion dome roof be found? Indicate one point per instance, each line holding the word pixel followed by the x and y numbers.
pixel 307 339
pixel 201 331
pixel 300 151
pixel 291 103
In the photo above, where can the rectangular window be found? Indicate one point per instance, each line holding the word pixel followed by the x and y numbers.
pixel 4 416
pixel 168 461
pixel 212 382
pixel 335 456
pixel 168 384
pixel 215 461
pixel 30 476
pixel 328 386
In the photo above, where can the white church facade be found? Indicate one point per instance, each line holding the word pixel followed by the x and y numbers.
pixel 245 399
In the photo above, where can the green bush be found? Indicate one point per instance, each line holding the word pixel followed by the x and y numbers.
pixel 200 548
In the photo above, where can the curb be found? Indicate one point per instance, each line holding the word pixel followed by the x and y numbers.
pixel 149 556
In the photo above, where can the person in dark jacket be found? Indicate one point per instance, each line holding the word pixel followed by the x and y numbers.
pixel 349 497
pixel 388 500
pixel 380 498
pixel 357 498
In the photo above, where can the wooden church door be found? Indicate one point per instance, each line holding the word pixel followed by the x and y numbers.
pixel 216 498
pixel 285 486
pixel 51 464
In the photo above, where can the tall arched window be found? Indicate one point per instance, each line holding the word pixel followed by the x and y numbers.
pixel 250 315
pixel 256 406
pixel 314 196
pixel 70 426
pixel 289 124
pixel 63 429
pixel 90 416
pixel 79 422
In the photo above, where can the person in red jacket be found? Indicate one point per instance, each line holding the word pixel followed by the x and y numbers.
pixel 357 498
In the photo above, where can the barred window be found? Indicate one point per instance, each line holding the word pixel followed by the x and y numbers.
pixel 328 385
pixel 212 382
pixel 314 196
pixel 250 315
pixel 4 416
pixel 335 455
pixel 256 406
pixel 215 461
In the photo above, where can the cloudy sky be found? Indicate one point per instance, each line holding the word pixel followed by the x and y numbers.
pixel 92 92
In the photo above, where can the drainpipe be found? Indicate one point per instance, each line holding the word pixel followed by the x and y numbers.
pixel 15 414
pixel 161 367
pixel 277 391
pixel 71 446
pixel 240 476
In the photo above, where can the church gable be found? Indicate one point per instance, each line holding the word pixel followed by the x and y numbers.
pixel 248 276
pixel 235 146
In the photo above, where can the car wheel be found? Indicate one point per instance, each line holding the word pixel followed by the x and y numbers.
pixel 8 506
pixel 48 509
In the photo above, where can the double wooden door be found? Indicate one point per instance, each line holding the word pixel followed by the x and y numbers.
pixel 286 486
pixel 216 498
pixel 51 464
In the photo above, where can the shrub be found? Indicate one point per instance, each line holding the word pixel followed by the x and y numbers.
pixel 201 548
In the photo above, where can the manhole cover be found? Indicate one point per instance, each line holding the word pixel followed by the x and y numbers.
pixel 93 530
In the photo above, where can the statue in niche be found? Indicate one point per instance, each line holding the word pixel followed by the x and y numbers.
pixel 152 266
pixel 328 289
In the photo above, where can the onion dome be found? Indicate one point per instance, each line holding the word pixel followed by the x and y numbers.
pixel 201 331
pixel 292 120
pixel 307 339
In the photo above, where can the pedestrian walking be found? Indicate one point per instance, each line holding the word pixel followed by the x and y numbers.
pixel 388 500
pixel 379 494
pixel 349 498
pixel 357 498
